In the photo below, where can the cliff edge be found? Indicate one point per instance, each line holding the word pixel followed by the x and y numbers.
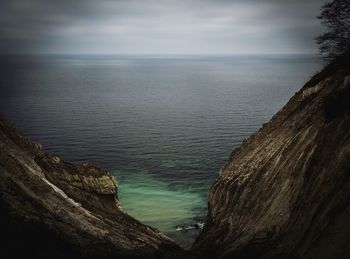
pixel 50 208
pixel 285 192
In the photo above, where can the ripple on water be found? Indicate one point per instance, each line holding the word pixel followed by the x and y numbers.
pixel 179 118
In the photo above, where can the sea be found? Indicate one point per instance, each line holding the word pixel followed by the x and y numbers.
pixel 163 125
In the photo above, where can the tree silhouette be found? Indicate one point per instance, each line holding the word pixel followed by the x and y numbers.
pixel 335 42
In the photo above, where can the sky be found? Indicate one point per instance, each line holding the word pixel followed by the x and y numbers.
pixel 159 26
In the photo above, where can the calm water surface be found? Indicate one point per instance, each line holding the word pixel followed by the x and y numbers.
pixel 163 125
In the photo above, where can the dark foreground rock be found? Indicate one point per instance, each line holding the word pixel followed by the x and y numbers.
pixel 285 192
pixel 50 208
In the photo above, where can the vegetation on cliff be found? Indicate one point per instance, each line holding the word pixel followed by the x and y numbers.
pixel 335 42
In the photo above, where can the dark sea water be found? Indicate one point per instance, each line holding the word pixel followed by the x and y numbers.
pixel 162 125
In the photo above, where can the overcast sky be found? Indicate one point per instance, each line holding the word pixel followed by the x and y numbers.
pixel 159 26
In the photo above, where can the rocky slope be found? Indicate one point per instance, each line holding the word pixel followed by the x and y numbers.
pixel 285 192
pixel 50 208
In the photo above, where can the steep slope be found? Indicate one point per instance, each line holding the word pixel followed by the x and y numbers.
pixel 285 192
pixel 50 208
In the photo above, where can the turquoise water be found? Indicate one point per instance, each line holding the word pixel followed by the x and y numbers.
pixel 162 125
pixel 156 204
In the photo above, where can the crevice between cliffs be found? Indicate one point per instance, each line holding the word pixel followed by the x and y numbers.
pixel 284 193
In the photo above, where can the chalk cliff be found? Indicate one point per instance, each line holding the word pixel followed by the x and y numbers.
pixel 285 192
pixel 50 208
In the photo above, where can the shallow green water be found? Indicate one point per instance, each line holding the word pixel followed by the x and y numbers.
pixel 163 125
pixel 160 205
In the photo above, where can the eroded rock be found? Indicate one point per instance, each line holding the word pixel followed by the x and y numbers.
pixel 285 192
pixel 51 208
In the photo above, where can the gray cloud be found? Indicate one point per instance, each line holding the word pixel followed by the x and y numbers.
pixel 155 26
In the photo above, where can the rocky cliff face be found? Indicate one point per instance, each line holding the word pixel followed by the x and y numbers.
pixel 285 192
pixel 50 208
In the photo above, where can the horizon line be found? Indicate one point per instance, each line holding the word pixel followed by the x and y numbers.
pixel 160 54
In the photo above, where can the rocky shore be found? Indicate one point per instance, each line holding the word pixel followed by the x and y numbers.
pixel 284 193
pixel 51 208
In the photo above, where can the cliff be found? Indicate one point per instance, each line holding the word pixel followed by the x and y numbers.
pixel 285 192
pixel 50 208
